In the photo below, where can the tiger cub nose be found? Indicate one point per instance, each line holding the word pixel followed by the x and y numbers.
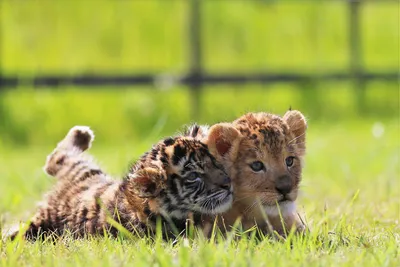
pixel 283 184
pixel 226 183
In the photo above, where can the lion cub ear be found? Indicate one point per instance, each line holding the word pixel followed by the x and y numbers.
pixel 223 140
pixel 297 124
pixel 147 182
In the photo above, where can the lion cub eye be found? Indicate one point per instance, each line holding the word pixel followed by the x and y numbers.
pixel 289 161
pixel 257 166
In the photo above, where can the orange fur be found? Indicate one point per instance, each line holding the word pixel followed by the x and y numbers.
pixel 269 139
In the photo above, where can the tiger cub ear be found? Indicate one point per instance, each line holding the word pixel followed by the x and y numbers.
pixel 223 140
pixel 147 182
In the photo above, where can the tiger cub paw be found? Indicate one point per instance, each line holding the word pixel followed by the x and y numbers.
pixel 78 137
pixel 146 182
pixel 10 233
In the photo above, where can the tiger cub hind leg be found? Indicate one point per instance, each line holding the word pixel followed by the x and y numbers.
pixel 74 197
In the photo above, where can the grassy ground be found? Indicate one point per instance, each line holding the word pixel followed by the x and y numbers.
pixel 349 199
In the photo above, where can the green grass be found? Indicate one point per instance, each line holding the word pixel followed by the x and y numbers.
pixel 349 198
pixel 126 115
pixel 350 190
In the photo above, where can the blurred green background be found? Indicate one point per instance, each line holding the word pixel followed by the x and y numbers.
pixel 350 146
pixel 128 37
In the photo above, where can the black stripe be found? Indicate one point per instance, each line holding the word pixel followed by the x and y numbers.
pixel 169 141
pixel 97 198
pixel 154 153
pixel 90 173
pixel 179 152
pixel 78 172
pixel 195 130
pixel 73 166
pixel 83 218
pixel 172 184
pixel 164 158
pixel 81 189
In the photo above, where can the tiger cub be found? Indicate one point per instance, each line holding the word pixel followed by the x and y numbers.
pixel 177 178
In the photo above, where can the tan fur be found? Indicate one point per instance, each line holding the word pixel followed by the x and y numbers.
pixel 270 139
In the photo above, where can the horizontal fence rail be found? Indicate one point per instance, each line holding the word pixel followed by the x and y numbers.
pixel 165 80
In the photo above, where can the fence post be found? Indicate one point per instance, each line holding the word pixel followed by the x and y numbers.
pixel 1 49
pixel 355 46
pixel 195 56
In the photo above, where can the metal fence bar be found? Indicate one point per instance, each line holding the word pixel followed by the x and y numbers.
pixel 81 80
pixel 287 77
pixel 195 56
pixel 194 81
pixel 1 46
pixel 355 48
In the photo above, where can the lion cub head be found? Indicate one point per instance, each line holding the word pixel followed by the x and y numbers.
pixel 263 154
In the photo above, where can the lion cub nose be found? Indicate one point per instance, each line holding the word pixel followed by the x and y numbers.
pixel 283 184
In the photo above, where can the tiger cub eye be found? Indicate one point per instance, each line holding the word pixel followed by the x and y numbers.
pixel 194 177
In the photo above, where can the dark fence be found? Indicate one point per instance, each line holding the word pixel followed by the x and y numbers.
pixel 196 77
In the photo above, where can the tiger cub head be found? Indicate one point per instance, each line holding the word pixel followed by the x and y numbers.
pixel 181 176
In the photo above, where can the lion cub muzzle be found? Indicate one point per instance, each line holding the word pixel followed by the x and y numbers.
pixel 284 185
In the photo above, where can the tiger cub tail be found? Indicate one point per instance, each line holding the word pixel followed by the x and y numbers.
pixel 67 161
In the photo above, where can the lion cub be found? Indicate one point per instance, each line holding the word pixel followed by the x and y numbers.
pixel 263 154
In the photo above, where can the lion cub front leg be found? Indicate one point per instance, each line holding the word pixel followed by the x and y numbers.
pixel 287 223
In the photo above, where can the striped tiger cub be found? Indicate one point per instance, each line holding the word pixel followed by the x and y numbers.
pixel 177 178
